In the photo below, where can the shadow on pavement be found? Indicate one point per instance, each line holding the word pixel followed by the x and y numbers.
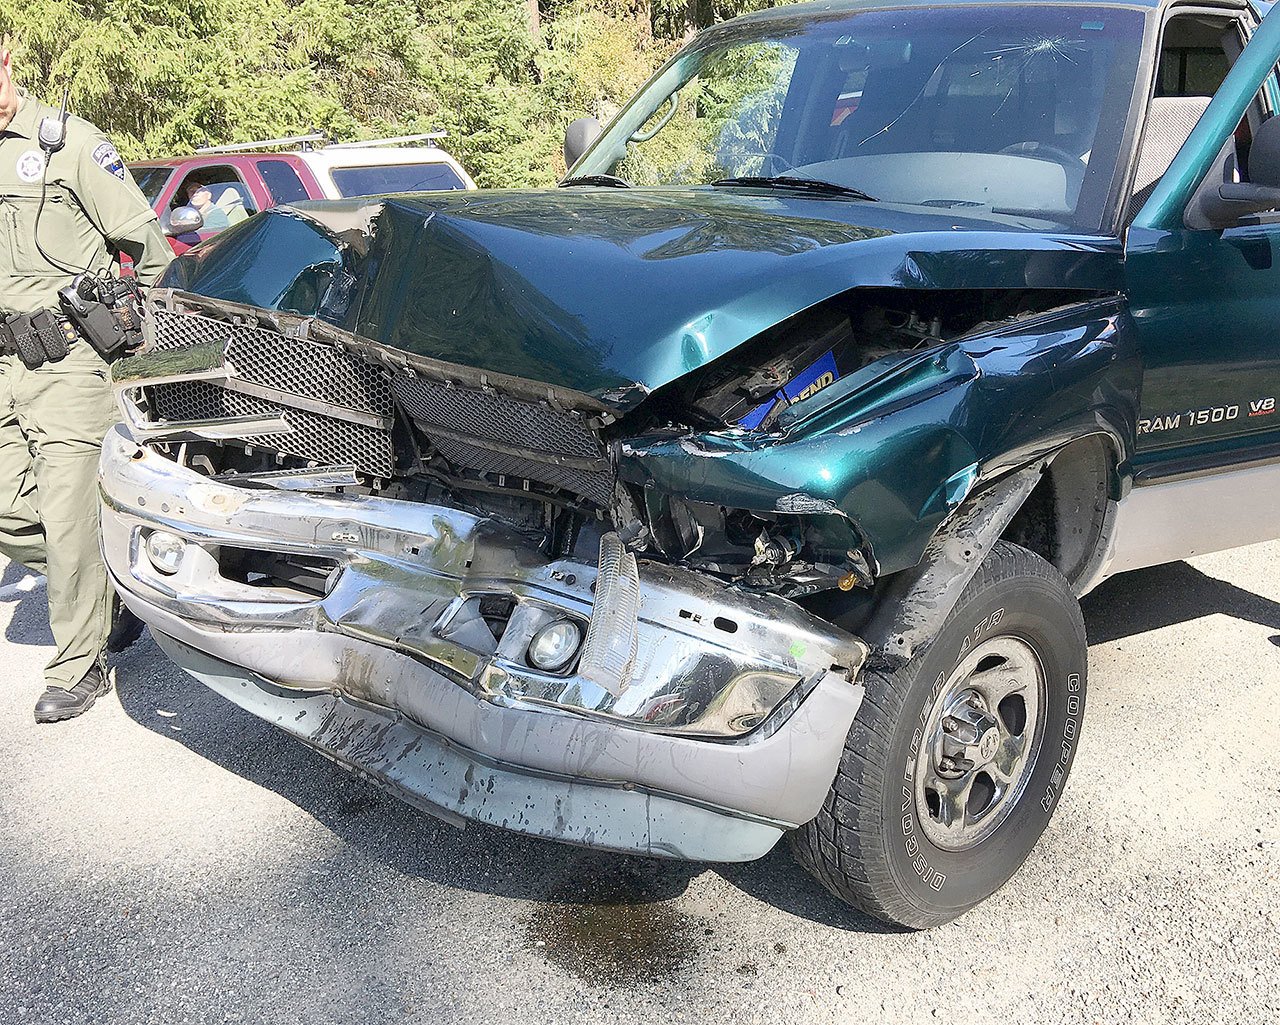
pixel 1149 599
pixel 604 909
pixel 12 574
pixel 29 624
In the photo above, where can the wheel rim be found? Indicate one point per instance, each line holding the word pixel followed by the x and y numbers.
pixel 980 742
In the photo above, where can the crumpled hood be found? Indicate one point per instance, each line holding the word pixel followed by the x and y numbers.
pixel 611 293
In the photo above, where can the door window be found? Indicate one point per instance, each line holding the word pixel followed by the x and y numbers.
pixel 219 193
pixel 1195 56
pixel 151 180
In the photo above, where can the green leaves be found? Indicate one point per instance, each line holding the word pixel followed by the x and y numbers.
pixel 162 78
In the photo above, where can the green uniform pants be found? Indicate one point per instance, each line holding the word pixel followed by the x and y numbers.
pixel 52 422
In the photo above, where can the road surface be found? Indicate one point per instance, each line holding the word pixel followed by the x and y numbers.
pixel 169 858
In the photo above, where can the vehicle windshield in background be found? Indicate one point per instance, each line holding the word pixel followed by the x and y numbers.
pixel 377 180
pixel 151 180
pixel 1015 110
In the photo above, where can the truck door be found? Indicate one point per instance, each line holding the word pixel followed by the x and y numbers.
pixel 1204 292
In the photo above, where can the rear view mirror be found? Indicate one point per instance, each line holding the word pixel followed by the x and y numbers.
pixel 855 55
pixel 578 138
pixel 183 220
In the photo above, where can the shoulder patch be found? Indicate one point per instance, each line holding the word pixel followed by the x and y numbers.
pixel 106 157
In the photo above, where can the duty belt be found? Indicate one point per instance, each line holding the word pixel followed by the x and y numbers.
pixel 37 338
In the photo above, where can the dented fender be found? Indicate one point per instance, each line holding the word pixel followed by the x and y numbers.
pixel 895 449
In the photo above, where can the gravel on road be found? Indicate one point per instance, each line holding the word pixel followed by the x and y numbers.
pixel 169 858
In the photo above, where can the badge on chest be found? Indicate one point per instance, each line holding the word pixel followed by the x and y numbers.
pixel 30 166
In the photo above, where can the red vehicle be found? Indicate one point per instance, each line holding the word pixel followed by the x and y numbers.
pixel 227 184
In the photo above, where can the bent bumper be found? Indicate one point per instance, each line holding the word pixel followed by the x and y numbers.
pixel 374 674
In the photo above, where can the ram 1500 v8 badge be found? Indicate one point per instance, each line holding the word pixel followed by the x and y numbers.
pixel 745 484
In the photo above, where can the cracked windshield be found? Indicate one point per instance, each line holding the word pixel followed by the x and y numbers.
pixel 1016 113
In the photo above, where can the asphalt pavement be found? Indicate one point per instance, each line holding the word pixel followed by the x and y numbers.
pixel 168 858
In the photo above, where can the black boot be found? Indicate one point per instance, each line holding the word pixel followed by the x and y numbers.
pixel 125 626
pixel 58 703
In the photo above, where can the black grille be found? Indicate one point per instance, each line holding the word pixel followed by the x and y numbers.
pixel 322 439
pixel 290 365
pixel 596 485
pixel 479 414
pixel 473 430
pixel 494 434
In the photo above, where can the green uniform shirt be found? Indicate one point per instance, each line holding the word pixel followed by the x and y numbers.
pixel 92 210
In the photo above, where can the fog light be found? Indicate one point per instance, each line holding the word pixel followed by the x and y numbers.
pixel 554 646
pixel 165 551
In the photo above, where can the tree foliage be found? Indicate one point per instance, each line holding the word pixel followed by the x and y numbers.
pixel 502 77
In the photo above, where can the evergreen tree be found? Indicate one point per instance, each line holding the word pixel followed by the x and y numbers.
pixel 503 77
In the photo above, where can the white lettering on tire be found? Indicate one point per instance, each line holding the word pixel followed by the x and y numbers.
pixel 1070 730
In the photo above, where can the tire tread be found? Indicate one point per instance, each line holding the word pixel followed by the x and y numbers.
pixel 843 846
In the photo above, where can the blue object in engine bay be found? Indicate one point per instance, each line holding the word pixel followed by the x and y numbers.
pixel 812 379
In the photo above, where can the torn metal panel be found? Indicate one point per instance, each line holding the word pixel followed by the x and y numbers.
pixel 885 450
pixel 910 615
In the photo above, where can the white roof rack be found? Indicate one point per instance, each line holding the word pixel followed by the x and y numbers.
pixel 395 140
pixel 245 147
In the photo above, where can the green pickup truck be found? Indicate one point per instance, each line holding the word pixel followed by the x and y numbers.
pixel 745 484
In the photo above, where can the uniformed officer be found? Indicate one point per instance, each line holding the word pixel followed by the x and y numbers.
pixel 75 214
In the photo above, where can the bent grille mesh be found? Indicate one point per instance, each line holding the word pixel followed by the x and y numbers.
pixel 595 485
pixel 485 419
pixel 473 430
pixel 309 369
pixel 486 415
pixel 321 439
pixel 178 330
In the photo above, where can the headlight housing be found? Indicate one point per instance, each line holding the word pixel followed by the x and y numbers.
pixel 165 551
pixel 555 646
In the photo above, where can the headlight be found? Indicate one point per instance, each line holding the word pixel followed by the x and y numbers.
pixel 554 646
pixel 165 551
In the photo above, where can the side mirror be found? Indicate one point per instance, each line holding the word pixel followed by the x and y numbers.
pixel 578 138
pixel 1230 202
pixel 183 220
pixel 1220 202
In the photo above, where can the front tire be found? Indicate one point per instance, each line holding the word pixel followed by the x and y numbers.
pixel 956 761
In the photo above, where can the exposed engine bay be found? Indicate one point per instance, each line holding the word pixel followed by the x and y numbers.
pixel 265 399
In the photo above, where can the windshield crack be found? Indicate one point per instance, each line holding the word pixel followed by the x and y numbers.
pixel 1026 53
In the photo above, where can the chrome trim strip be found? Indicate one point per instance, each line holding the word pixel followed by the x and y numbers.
pixel 324 478
pixel 309 405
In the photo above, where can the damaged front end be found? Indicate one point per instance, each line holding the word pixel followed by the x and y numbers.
pixel 439 578
pixel 595 571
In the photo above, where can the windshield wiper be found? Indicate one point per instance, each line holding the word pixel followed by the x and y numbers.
pixel 789 181
pixel 610 181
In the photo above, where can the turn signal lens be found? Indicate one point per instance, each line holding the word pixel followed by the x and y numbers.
pixel 554 646
pixel 165 551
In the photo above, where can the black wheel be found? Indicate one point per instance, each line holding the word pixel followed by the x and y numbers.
pixel 956 761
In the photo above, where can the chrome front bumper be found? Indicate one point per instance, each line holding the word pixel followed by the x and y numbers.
pixel 372 675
